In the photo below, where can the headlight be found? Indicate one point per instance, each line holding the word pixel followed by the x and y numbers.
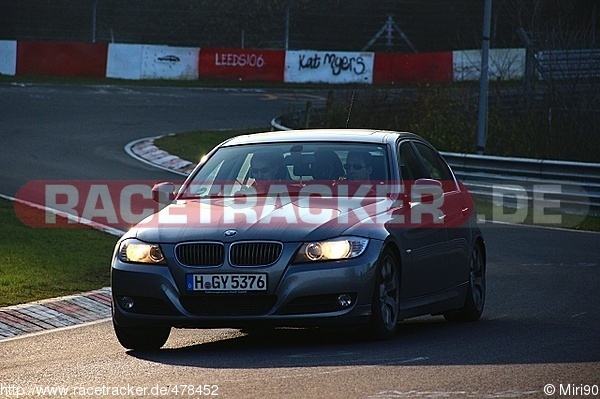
pixel 140 252
pixel 335 249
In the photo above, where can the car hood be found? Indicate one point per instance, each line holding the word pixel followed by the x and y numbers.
pixel 264 218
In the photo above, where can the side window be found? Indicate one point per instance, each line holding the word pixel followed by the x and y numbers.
pixel 435 166
pixel 410 168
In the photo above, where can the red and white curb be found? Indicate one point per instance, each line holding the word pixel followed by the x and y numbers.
pixel 48 314
pixel 145 151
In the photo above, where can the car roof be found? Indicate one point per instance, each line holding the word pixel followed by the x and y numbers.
pixel 333 135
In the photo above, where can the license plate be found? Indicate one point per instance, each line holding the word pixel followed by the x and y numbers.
pixel 226 282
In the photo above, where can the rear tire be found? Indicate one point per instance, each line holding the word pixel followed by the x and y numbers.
pixel 385 304
pixel 475 300
pixel 141 338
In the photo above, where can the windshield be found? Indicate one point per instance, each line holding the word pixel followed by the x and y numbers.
pixel 260 169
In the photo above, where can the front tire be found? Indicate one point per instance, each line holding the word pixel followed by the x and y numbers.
pixel 139 338
pixel 385 304
pixel 475 300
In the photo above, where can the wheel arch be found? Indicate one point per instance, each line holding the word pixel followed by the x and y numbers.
pixel 395 248
pixel 393 245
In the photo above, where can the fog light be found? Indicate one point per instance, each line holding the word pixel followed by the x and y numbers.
pixel 345 300
pixel 127 302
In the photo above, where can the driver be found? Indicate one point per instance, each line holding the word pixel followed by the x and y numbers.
pixel 266 168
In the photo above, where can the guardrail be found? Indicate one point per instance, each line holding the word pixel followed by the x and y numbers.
pixel 575 184
pixel 574 187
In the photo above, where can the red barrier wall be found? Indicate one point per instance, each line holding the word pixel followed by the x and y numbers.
pixel 238 64
pixel 413 68
pixel 62 59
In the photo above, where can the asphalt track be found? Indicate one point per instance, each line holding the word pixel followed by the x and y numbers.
pixel 79 132
pixel 540 330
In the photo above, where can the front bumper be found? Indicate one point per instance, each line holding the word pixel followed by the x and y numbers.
pixel 298 295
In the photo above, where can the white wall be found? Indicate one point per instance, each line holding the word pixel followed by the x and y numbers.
pixel 165 62
pixel 136 61
pixel 8 57
pixel 328 67
pixel 124 61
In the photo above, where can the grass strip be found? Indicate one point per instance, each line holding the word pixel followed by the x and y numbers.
pixel 489 211
pixel 40 263
pixel 192 146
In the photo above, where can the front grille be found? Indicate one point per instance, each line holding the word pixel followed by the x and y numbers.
pixel 254 253
pixel 228 305
pixel 200 254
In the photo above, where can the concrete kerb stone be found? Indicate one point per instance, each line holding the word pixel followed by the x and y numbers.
pixel 91 306
pixel 54 313
pixel 145 151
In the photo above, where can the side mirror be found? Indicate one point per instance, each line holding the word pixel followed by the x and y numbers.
pixel 426 191
pixel 163 193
